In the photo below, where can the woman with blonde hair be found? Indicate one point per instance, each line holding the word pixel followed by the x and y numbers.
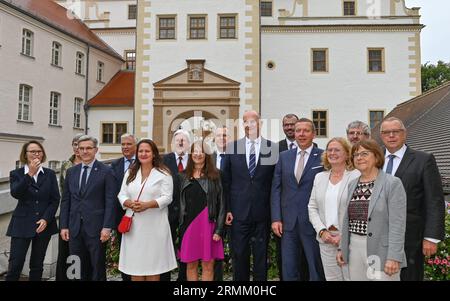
pixel 328 202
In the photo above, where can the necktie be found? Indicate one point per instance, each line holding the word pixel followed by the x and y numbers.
pixel 299 171
pixel 180 164
pixel 130 161
pixel 221 161
pixel 252 160
pixel 83 179
pixel 291 146
pixel 390 164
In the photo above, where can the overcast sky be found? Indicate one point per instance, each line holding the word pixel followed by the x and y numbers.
pixel 436 35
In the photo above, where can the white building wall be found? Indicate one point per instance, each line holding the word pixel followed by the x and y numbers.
pixel 347 91
pixel 321 12
pixel 111 67
pixel 226 57
pixel 44 78
pixel 101 14
pixel 119 41
pixel 99 115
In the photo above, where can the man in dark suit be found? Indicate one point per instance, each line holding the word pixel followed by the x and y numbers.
pixel 248 171
pixel 425 198
pixel 221 138
pixel 357 131
pixel 87 209
pixel 288 142
pixel 291 188
pixel 119 167
pixel 176 161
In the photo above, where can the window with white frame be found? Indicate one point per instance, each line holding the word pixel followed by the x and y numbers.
pixel 77 105
pixel 24 113
pixel 376 116
pixel 112 131
pixel 130 59
pixel 376 59
pixel 56 54
pixel 53 164
pixel 27 42
pixel 79 64
pixel 100 71
pixel 55 105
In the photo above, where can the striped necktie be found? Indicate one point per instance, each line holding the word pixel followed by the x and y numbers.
pixel 252 160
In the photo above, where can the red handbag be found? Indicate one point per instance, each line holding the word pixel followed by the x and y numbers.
pixel 125 222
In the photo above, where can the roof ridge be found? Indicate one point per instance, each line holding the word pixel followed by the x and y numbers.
pixel 430 109
pixel 426 93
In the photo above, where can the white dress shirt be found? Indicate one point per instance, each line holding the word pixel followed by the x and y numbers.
pixel 305 160
pixel 35 177
pixel 289 143
pixel 248 144
pixel 331 204
pixel 398 158
pixel 184 159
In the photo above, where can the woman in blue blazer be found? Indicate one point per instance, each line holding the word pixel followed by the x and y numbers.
pixel 33 220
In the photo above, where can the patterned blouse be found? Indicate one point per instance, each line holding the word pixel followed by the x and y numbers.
pixel 358 208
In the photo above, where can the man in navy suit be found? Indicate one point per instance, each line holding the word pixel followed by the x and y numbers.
pixel 291 188
pixel 248 171
pixel 176 161
pixel 120 167
pixel 87 209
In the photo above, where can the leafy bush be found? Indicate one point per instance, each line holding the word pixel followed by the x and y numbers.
pixel 437 267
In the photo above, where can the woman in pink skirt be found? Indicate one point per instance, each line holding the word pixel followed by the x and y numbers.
pixel 202 213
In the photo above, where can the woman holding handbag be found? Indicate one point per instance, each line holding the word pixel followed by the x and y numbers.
pixel 146 250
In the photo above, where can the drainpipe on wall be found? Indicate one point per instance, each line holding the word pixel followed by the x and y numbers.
pixel 86 93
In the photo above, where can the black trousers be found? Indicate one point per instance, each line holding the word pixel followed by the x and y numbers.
pixel 18 252
pixel 415 259
pixel 92 250
pixel 249 238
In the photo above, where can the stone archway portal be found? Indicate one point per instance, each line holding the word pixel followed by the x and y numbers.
pixel 194 89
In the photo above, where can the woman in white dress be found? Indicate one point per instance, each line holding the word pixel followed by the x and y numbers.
pixel 147 251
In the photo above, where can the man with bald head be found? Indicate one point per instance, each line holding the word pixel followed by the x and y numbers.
pixel 425 198
pixel 248 169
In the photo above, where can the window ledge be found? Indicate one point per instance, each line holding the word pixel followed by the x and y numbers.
pixel 25 121
pixel 55 125
pixel 28 56
pixel 57 66
pixel 100 82
pixel 80 74
pixel 78 129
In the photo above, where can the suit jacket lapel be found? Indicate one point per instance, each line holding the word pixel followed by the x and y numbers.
pixel 291 158
pixel 406 160
pixel 76 176
pixel 92 176
pixel 377 189
pixel 242 155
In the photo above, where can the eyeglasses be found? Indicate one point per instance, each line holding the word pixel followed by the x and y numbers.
pixel 86 149
pixel 355 133
pixel 363 154
pixel 393 132
pixel 35 152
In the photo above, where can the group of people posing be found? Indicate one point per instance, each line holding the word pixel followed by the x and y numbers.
pixel 354 211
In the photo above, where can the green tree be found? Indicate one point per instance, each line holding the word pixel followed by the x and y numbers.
pixel 434 75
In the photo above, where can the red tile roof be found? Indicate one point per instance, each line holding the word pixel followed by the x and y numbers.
pixel 56 16
pixel 118 92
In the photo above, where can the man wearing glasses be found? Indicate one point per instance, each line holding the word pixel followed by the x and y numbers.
pixel 87 210
pixel 357 131
pixel 425 198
